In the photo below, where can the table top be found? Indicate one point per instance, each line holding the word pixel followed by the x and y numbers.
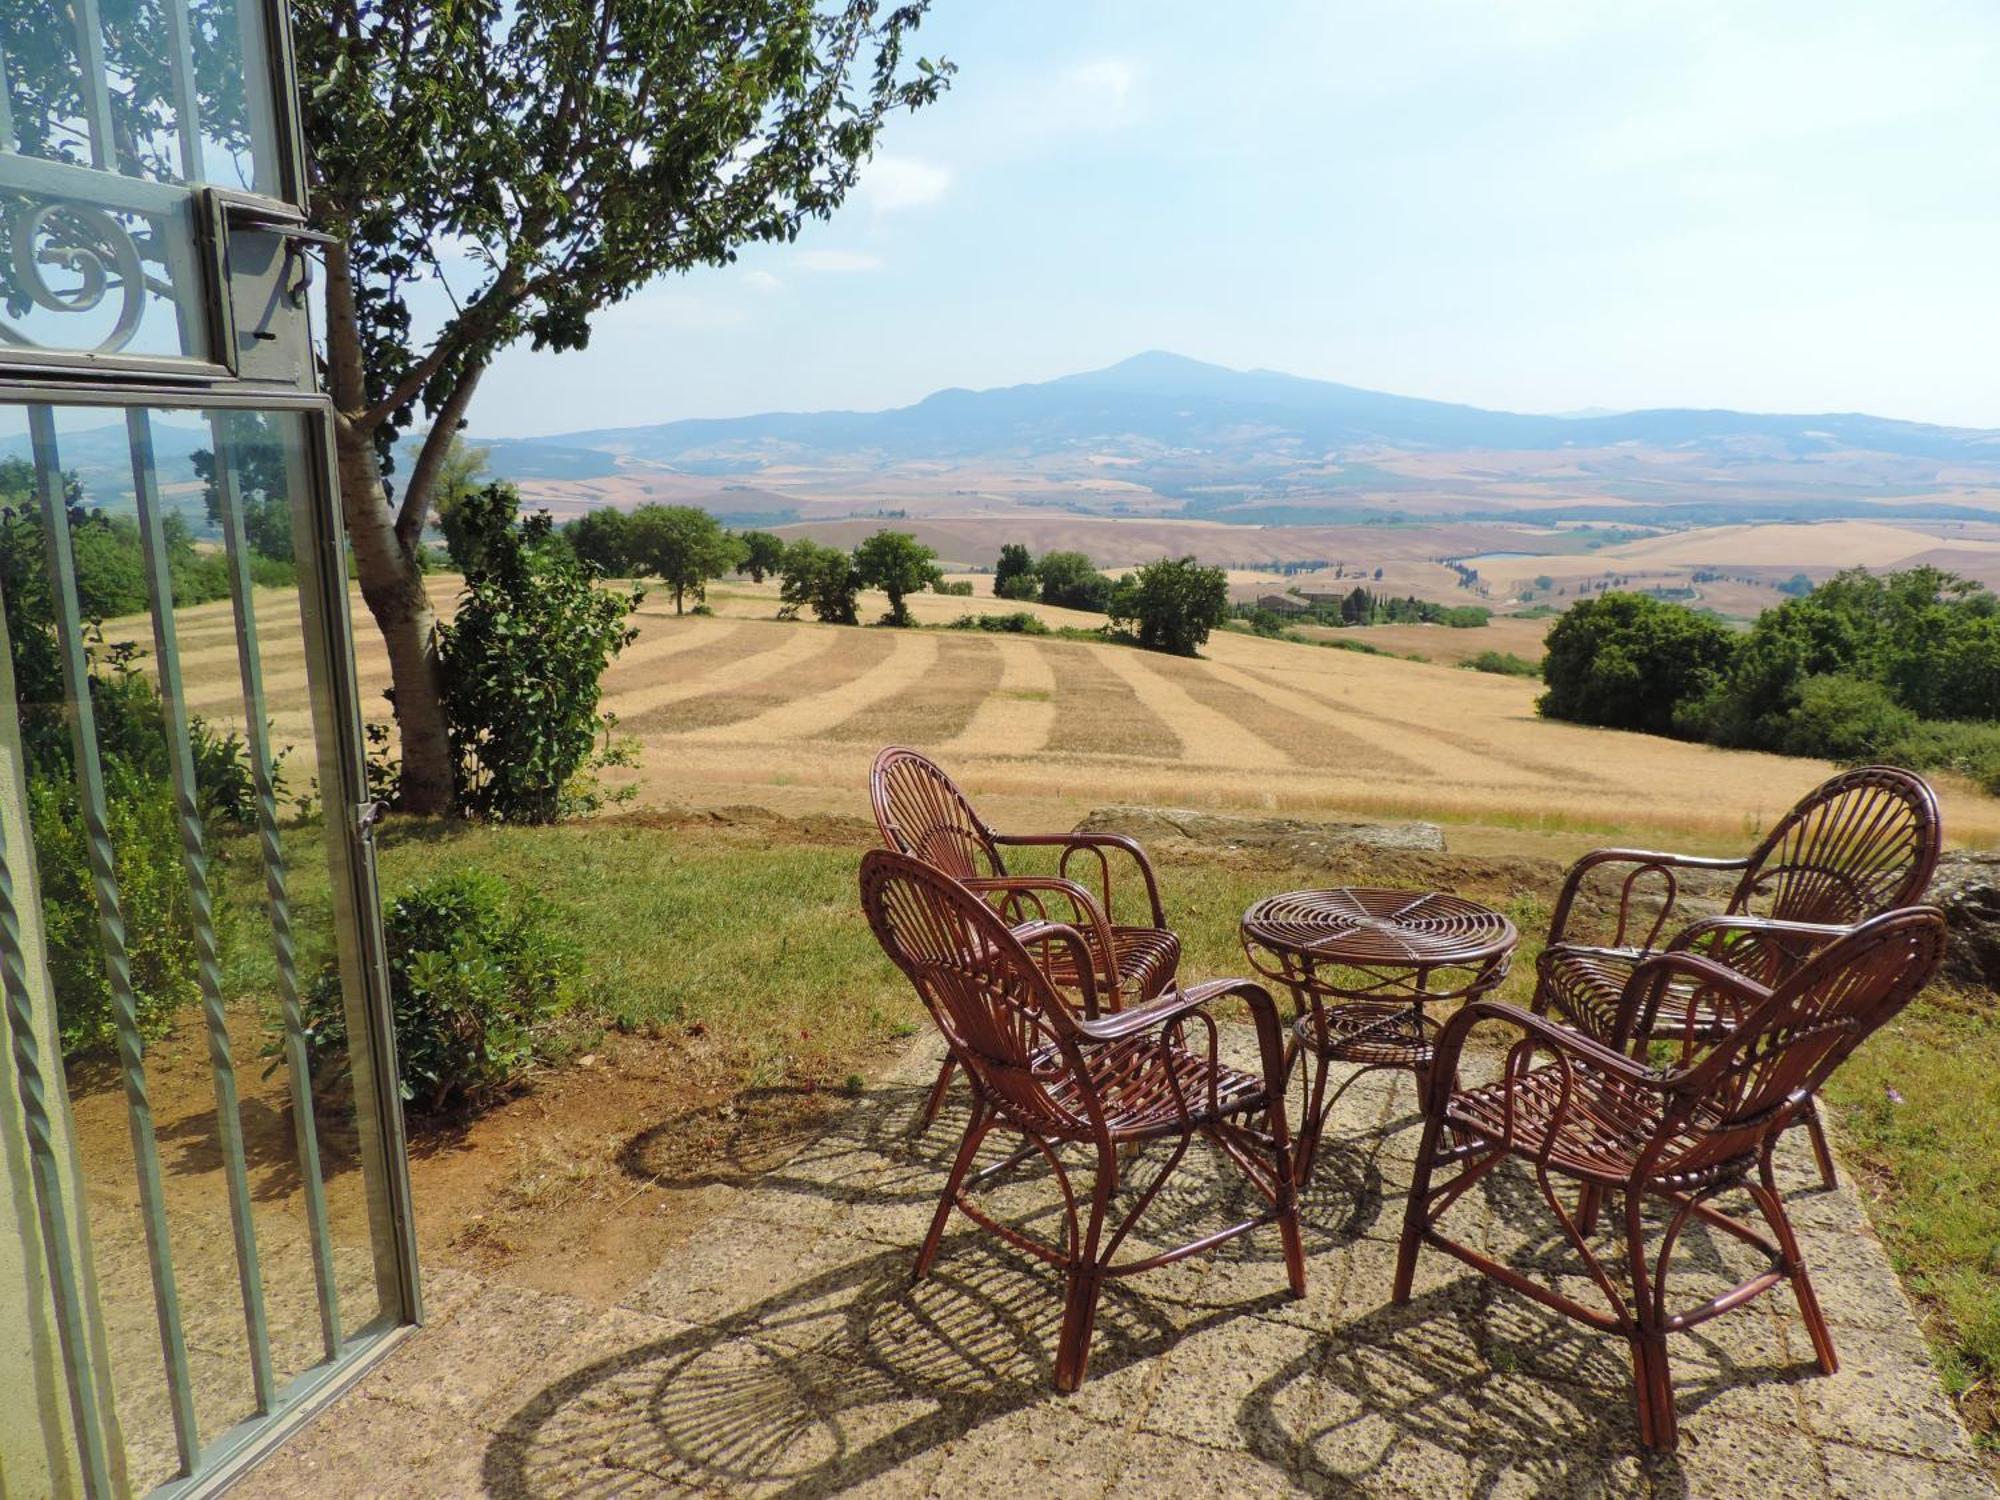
pixel 1367 925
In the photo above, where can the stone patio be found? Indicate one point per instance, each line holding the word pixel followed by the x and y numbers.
pixel 784 1352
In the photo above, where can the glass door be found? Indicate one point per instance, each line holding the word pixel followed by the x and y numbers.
pixel 210 1226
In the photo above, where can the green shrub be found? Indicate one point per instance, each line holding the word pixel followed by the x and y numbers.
pixel 1626 661
pixel 1020 622
pixel 523 664
pixel 153 898
pixel 1504 664
pixel 477 980
pixel 959 588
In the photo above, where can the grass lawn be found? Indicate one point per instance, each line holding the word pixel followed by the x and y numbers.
pixel 1920 1107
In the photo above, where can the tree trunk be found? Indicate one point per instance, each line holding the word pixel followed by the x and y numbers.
pixel 393 586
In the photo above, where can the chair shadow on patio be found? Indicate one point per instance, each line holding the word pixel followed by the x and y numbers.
pixel 850 1374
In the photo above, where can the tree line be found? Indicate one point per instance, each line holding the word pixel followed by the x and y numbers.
pixel 1902 667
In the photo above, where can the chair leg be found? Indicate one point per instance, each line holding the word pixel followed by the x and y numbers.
pixel 1286 1205
pixel 938 1090
pixel 1416 1214
pixel 1589 1202
pixel 1652 1376
pixel 1772 1206
pixel 968 1149
pixel 1822 1153
pixel 1083 1284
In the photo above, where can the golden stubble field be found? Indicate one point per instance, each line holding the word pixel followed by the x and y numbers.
pixel 740 707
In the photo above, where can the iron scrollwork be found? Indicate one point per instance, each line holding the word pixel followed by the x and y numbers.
pixel 85 243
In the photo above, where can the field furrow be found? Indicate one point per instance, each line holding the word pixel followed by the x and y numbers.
pixel 1097 713
pixel 660 641
pixel 1017 718
pixel 751 707
pixel 935 708
pixel 1207 736
pixel 1313 733
pixel 1343 706
pixel 908 658
pixel 751 654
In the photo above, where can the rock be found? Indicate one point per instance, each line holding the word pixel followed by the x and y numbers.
pixel 1290 839
pixel 1967 886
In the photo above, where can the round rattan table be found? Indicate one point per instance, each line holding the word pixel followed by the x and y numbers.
pixel 1361 964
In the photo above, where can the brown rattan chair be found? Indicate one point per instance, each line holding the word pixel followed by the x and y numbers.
pixel 1864 842
pixel 1680 1134
pixel 1040 1070
pixel 921 812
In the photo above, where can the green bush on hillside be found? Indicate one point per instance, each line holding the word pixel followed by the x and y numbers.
pixel 1902 667
pixel 476 978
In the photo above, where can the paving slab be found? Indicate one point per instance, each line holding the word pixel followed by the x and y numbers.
pixel 784 1351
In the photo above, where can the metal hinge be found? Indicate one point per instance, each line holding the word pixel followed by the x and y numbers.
pixel 366 816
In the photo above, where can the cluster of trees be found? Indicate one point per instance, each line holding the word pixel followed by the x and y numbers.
pixel 682 546
pixel 1168 605
pixel 829 581
pixel 1903 666
pixel 1069 579
pixel 1364 607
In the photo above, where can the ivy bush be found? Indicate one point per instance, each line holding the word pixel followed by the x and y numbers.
pixel 477 980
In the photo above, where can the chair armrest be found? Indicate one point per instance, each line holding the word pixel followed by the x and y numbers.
pixel 1647 987
pixel 1096 843
pixel 1772 947
pixel 1087 912
pixel 1551 1034
pixel 1643 861
pixel 1028 934
pixel 1177 1005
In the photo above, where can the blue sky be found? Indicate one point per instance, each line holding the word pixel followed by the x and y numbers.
pixel 1534 204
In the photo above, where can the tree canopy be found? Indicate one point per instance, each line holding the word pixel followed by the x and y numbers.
pixel 683 546
pixel 761 554
pixel 1071 580
pixel 1626 660
pixel 1014 575
pixel 1171 604
pixel 898 564
pixel 822 579
pixel 536 163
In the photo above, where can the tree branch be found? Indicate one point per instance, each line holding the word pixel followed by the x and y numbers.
pixel 416 506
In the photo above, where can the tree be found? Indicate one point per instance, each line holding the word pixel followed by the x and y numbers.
pixel 1172 603
pixel 1014 575
pixel 459 478
pixel 761 554
pixel 263 489
pixel 603 538
pixel 898 564
pixel 553 157
pixel 682 546
pixel 1071 580
pixel 523 662
pixel 820 578
pixel 1627 661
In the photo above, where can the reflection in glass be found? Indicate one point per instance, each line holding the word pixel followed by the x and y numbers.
pixel 229 1179
pixel 77 276
pixel 165 91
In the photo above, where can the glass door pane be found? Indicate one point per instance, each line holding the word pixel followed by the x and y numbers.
pixel 181 764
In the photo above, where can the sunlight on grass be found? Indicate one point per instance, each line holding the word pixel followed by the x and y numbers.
pixel 1921 1109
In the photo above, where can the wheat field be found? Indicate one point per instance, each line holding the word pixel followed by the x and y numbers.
pixel 740 707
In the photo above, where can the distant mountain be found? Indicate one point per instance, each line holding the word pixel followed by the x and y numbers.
pixel 1159 407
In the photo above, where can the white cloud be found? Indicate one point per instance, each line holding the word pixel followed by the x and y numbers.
pixel 890 182
pixel 1101 93
pixel 761 281
pixel 837 261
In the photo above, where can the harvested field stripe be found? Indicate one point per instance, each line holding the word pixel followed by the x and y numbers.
pixel 1482 765
pixel 1206 737
pixel 756 656
pixel 1017 719
pixel 849 653
pixel 937 706
pixel 909 658
pixel 1313 733
pixel 658 642
pixel 1097 713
